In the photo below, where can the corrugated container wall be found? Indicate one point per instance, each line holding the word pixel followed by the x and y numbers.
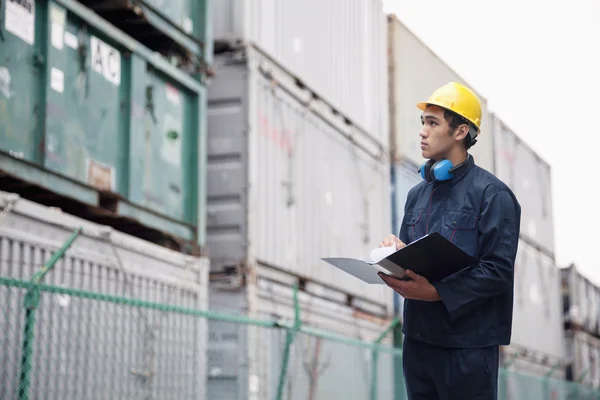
pixel 286 186
pixel 343 61
pixel 585 355
pixel 88 103
pixel 537 312
pixel 106 262
pixel 415 71
pixel 581 299
pixel 245 362
pixel 530 178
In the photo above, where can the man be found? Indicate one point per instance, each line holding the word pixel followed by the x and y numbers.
pixel 453 328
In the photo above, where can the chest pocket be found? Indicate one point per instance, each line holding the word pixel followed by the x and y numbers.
pixel 412 224
pixel 460 227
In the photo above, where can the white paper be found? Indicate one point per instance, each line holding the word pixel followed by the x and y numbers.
pixel 71 40
pixel 57 80
pixel 380 253
pixel 20 19
pixel 57 34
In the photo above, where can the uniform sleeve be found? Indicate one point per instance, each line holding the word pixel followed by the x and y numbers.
pixel 498 241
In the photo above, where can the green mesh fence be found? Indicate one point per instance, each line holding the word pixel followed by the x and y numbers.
pixel 63 343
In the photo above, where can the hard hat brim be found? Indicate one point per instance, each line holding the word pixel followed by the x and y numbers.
pixel 423 105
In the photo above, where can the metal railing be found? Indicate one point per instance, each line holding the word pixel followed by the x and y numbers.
pixel 66 343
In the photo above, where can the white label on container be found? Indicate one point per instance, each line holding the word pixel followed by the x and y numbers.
pixel 5 82
pixel 171 146
pixel 57 80
pixel 172 94
pixel 57 14
pixel 57 35
pixel 106 60
pixel 71 40
pixel 20 19
pixel 99 175
pixel 188 25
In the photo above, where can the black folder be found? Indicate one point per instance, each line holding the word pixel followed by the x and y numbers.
pixel 432 256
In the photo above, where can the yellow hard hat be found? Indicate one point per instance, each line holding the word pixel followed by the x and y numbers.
pixel 458 98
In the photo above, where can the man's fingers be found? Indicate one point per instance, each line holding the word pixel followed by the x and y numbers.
pixel 399 244
pixel 414 276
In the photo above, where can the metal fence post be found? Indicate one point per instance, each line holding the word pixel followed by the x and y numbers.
pixel 375 358
pixel 30 303
pixel 291 335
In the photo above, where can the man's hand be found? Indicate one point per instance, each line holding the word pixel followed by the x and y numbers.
pixel 418 288
pixel 389 240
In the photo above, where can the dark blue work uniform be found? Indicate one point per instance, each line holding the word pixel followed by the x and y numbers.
pixel 451 346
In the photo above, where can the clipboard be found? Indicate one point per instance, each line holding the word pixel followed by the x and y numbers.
pixel 432 256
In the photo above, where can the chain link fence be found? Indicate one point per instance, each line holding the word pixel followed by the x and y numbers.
pixel 64 343
pixel 59 342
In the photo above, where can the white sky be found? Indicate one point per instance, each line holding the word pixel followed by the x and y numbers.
pixel 538 64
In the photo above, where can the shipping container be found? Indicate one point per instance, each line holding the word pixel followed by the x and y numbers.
pixel 584 350
pixel 90 115
pixel 530 178
pixel 404 177
pixel 537 312
pixel 343 61
pixel 173 28
pixel 415 72
pixel 581 301
pixel 288 181
pixel 245 362
pixel 102 336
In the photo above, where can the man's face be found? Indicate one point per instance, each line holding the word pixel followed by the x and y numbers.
pixel 436 138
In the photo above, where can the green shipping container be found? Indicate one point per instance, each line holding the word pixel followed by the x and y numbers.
pixel 84 101
pixel 168 26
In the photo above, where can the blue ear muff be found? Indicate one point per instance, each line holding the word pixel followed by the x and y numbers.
pixel 437 170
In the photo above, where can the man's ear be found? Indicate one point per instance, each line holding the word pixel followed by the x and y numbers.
pixel 462 132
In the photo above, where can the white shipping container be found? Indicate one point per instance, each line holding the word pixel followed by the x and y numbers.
pixel 585 350
pixel 537 312
pixel 335 47
pixel 581 300
pixel 530 178
pixel 288 181
pixel 415 72
pixel 245 361
pixel 109 262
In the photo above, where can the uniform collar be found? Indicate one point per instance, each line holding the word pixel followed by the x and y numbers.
pixel 462 171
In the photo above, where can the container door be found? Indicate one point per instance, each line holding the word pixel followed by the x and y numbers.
pixel 20 73
pixel 163 150
pixel 84 136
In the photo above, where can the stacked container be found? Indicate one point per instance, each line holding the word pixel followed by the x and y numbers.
pixel 537 325
pixel 94 121
pixel 581 300
pixel 101 336
pixel 343 62
pixel 289 182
